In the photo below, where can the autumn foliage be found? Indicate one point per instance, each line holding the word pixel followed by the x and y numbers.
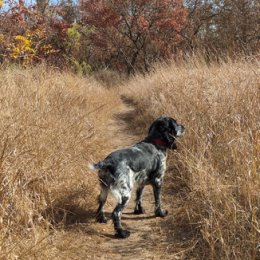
pixel 125 35
pixel 130 35
pixel 29 36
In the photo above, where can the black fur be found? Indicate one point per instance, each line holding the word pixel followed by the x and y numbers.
pixel 144 163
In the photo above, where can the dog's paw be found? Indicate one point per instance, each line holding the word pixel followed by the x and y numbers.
pixel 139 211
pixel 161 213
pixel 100 218
pixel 121 233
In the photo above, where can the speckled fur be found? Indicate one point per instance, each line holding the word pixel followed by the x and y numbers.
pixel 142 164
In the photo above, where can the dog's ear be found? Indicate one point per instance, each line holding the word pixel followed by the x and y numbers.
pixel 151 127
pixel 170 140
pixel 159 124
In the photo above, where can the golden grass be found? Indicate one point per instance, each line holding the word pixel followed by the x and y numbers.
pixel 216 173
pixel 53 123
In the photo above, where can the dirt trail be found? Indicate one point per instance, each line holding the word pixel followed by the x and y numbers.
pixel 147 240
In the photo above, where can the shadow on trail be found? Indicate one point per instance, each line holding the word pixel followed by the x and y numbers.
pixel 66 215
pixel 135 217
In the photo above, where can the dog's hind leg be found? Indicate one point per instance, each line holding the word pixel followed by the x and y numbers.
pixel 116 216
pixel 100 217
pixel 138 201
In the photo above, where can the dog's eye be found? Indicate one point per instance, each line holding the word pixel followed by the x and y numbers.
pixel 173 130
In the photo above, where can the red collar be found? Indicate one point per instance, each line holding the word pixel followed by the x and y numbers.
pixel 159 141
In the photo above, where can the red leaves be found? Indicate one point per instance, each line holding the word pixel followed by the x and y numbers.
pixel 121 34
pixel 100 14
pixel 149 29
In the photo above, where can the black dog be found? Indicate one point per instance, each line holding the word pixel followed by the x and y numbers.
pixel 144 163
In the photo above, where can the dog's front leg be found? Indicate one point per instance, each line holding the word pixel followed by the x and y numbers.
pixel 116 216
pixel 138 201
pixel 159 212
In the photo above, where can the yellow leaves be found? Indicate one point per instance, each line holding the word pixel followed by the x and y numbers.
pixel 48 49
pixel 23 44
pixel 22 49
pixel 29 47
pixel 23 40
pixel 1 3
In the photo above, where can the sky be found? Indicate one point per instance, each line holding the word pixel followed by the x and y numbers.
pixel 27 2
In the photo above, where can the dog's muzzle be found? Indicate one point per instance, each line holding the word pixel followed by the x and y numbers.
pixel 180 130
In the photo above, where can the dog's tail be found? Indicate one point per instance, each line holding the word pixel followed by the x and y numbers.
pixel 98 166
pixel 93 166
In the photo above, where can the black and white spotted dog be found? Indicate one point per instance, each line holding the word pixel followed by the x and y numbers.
pixel 144 163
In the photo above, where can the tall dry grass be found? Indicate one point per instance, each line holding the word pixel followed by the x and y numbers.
pixel 214 178
pixel 51 125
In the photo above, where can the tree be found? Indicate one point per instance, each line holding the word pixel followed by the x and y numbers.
pixel 29 34
pixel 129 35
pixel 222 28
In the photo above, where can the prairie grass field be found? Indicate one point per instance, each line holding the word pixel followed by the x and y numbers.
pixel 53 123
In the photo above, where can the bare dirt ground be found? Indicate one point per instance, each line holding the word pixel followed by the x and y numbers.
pixel 143 243
pixel 148 239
